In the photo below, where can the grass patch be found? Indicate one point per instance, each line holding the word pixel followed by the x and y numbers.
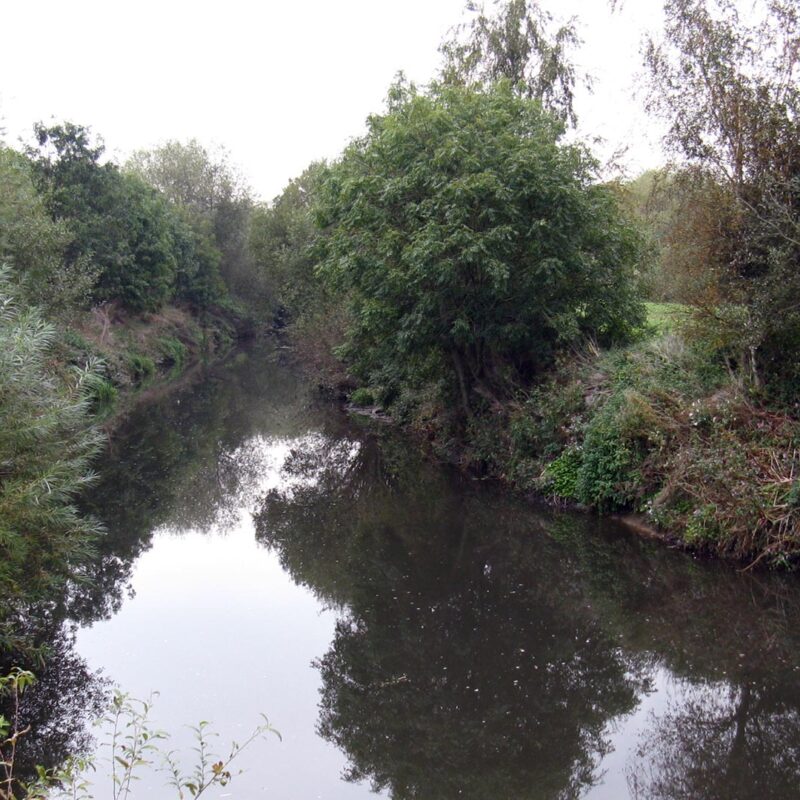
pixel 141 367
pixel 665 317
pixel 173 352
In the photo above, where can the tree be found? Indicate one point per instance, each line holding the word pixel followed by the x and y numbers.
pixel 515 45
pixel 727 83
pixel 117 223
pixel 214 197
pixel 34 246
pixel 282 237
pixel 141 270
pixel 474 247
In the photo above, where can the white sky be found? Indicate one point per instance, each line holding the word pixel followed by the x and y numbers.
pixel 278 84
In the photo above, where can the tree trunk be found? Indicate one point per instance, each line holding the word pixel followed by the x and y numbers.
pixel 462 385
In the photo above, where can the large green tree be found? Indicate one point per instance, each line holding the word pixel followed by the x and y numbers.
pixel 117 223
pixel 474 246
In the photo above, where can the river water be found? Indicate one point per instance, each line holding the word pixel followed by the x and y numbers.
pixel 408 632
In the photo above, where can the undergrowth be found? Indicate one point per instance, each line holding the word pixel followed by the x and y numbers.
pixel 661 428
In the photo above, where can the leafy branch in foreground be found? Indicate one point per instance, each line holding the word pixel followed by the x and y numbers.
pixel 46 444
pixel 13 684
pixel 133 744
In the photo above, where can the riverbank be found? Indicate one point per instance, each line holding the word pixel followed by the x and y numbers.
pixel 658 432
pixel 137 353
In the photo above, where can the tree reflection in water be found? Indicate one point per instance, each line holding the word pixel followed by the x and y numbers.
pixel 455 671
pixel 483 647
pixel 720 743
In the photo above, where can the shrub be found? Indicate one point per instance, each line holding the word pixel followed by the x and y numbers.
pixel 46 443
pixel 141 367
pixel 173 351
pixel 560 477
pixel 362 397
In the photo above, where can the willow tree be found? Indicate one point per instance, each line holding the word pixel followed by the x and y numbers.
pixel 46 443
pixel 519 43
pixel 726 80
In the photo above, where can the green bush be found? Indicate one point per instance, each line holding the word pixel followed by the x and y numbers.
pixel 46 443
pixel 173 351
pixel 362 397
pixel 561 476
pixel 141 367
pixel 702 527
pixel 609 475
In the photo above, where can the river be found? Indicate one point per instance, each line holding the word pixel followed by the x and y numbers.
pixel 407 631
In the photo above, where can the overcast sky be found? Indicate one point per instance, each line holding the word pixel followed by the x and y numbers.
pixel 277 83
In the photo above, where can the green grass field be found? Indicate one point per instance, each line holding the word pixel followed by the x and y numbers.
pixel 663 317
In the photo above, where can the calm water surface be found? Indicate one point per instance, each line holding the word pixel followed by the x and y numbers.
pixel 412 634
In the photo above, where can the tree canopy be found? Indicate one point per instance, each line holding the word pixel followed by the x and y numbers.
pixel 726 81
pixel 214 198
pixel 472 243
pixel 515 44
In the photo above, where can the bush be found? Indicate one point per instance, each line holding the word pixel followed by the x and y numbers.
pixel 141 367
pixel 362 397
pixel 560 478
pixel 46 443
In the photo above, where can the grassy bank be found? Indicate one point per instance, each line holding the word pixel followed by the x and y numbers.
pixel 659 428
pixel 137 350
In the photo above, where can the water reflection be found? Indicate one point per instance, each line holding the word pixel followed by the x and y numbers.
pixel 720 741
pixel 59 708
pixel 483 649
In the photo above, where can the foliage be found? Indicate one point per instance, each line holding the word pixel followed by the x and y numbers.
pixel 132 743
pixel 197 279
pixel 142 367
pixel 138 248
pixel 362 397
pixel 174 351
pixel 282 239
pixel 611 455
pixel 661 427
pixel 116 223
pixel 14 684
pixel 727 83
pixel 471 244
pixel 46 442
pixel 516 45
pixel 141 270
pixel 664 318
pixel 33 245
pixel 214 200
pixel 562 474
pixel 103 393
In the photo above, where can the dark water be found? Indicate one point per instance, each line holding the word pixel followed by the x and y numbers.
pixel 408 632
